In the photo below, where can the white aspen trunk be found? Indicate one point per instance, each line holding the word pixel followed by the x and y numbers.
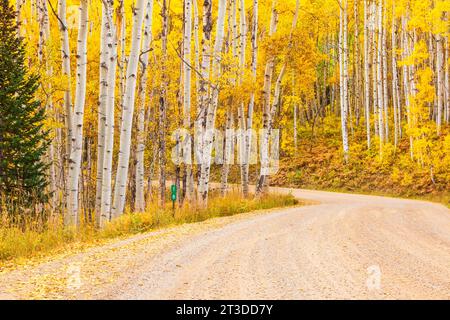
pixel 72 216
pixel 395 91
pixel 187 73
pixel 439 84
pixel 127 111
pixel 229 127
pixel 406 83
pixel 163 104
pixel 381 130
pixel 446 83
pixel 249 122
pixel 103 100
pixel 264 145
pixel 373 59
pixel 213 103
pixel 139 204
pixel 66 72
pixel 295 122
pixel 385 72
pixel 196 48
pixel 229 136
pixel 346 99
pixel 366 74
pixel 343 75
pixel 241 112
pixel 203 92
pixel 356 85
pixel 43 53
pixel 105 209
pixel 123 58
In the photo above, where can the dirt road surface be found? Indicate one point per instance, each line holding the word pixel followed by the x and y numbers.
pixel 342 247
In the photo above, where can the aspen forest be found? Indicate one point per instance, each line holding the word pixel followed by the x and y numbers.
pixel 347 95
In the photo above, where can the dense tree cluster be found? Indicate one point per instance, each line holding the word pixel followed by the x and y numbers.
pixel 119 76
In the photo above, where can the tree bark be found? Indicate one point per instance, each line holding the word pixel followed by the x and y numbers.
pixel 127 111
pixel 144 56
pixel 105 208
pixel 72 216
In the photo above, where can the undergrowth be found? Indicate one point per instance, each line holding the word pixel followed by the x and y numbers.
pixel 37 240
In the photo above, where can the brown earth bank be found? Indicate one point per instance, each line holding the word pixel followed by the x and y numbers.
pixel 318 164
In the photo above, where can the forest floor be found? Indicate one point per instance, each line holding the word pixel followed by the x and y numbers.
pixel 341 246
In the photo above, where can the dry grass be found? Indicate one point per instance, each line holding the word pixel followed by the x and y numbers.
pixel 37 241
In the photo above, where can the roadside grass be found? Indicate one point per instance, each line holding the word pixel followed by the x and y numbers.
pixel 38 241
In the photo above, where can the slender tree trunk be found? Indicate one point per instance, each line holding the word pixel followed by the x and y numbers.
pixel 72 217
pixel 266 94
pixel 212 105
pixel 406 84
pixel 103 100
pixel 385 72
pixel 269 111
pixel 245 167
pixel 446 82
pixel 395 91
pixel 440 82
pixel 163 104
pixel 121 17
pixel 344 75
pixel 43 56
pixel 127 111
pixel 381 128
pixel 366 74
pixel 356 84
pixel 65 56
pixel 105 208
pixel 227 158
pixel 146 46
pixel 187 73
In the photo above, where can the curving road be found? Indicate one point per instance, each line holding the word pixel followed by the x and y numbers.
pixel 343 247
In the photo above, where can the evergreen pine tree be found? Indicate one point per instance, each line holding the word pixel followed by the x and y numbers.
pixel 23 141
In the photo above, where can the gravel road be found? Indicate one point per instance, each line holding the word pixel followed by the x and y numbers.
pixel 342 247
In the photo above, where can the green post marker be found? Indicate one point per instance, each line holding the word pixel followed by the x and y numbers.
pixel 173 196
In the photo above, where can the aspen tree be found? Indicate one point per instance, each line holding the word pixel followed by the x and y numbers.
pixel 144 56
pixel 203 92
pixel 395 84
pixel 366 74
pixel 269 111
pixel 211 109
pixel 127 111
pixel 266 93
pixel 103 100
pixel 446 83
pixel 187 92
pixel 440 82
pixel 407 86
pixel 163 104
pixel 43 53
pixel 72 216
pixel 65 58
pixel 384 70
pixel 343 75
pixel 356 82
pixel 105 209
pixel 381 128
pixel 122 62
pixel 249 122
pixel 229 126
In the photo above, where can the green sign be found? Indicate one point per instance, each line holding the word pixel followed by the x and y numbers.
pixel 173 190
